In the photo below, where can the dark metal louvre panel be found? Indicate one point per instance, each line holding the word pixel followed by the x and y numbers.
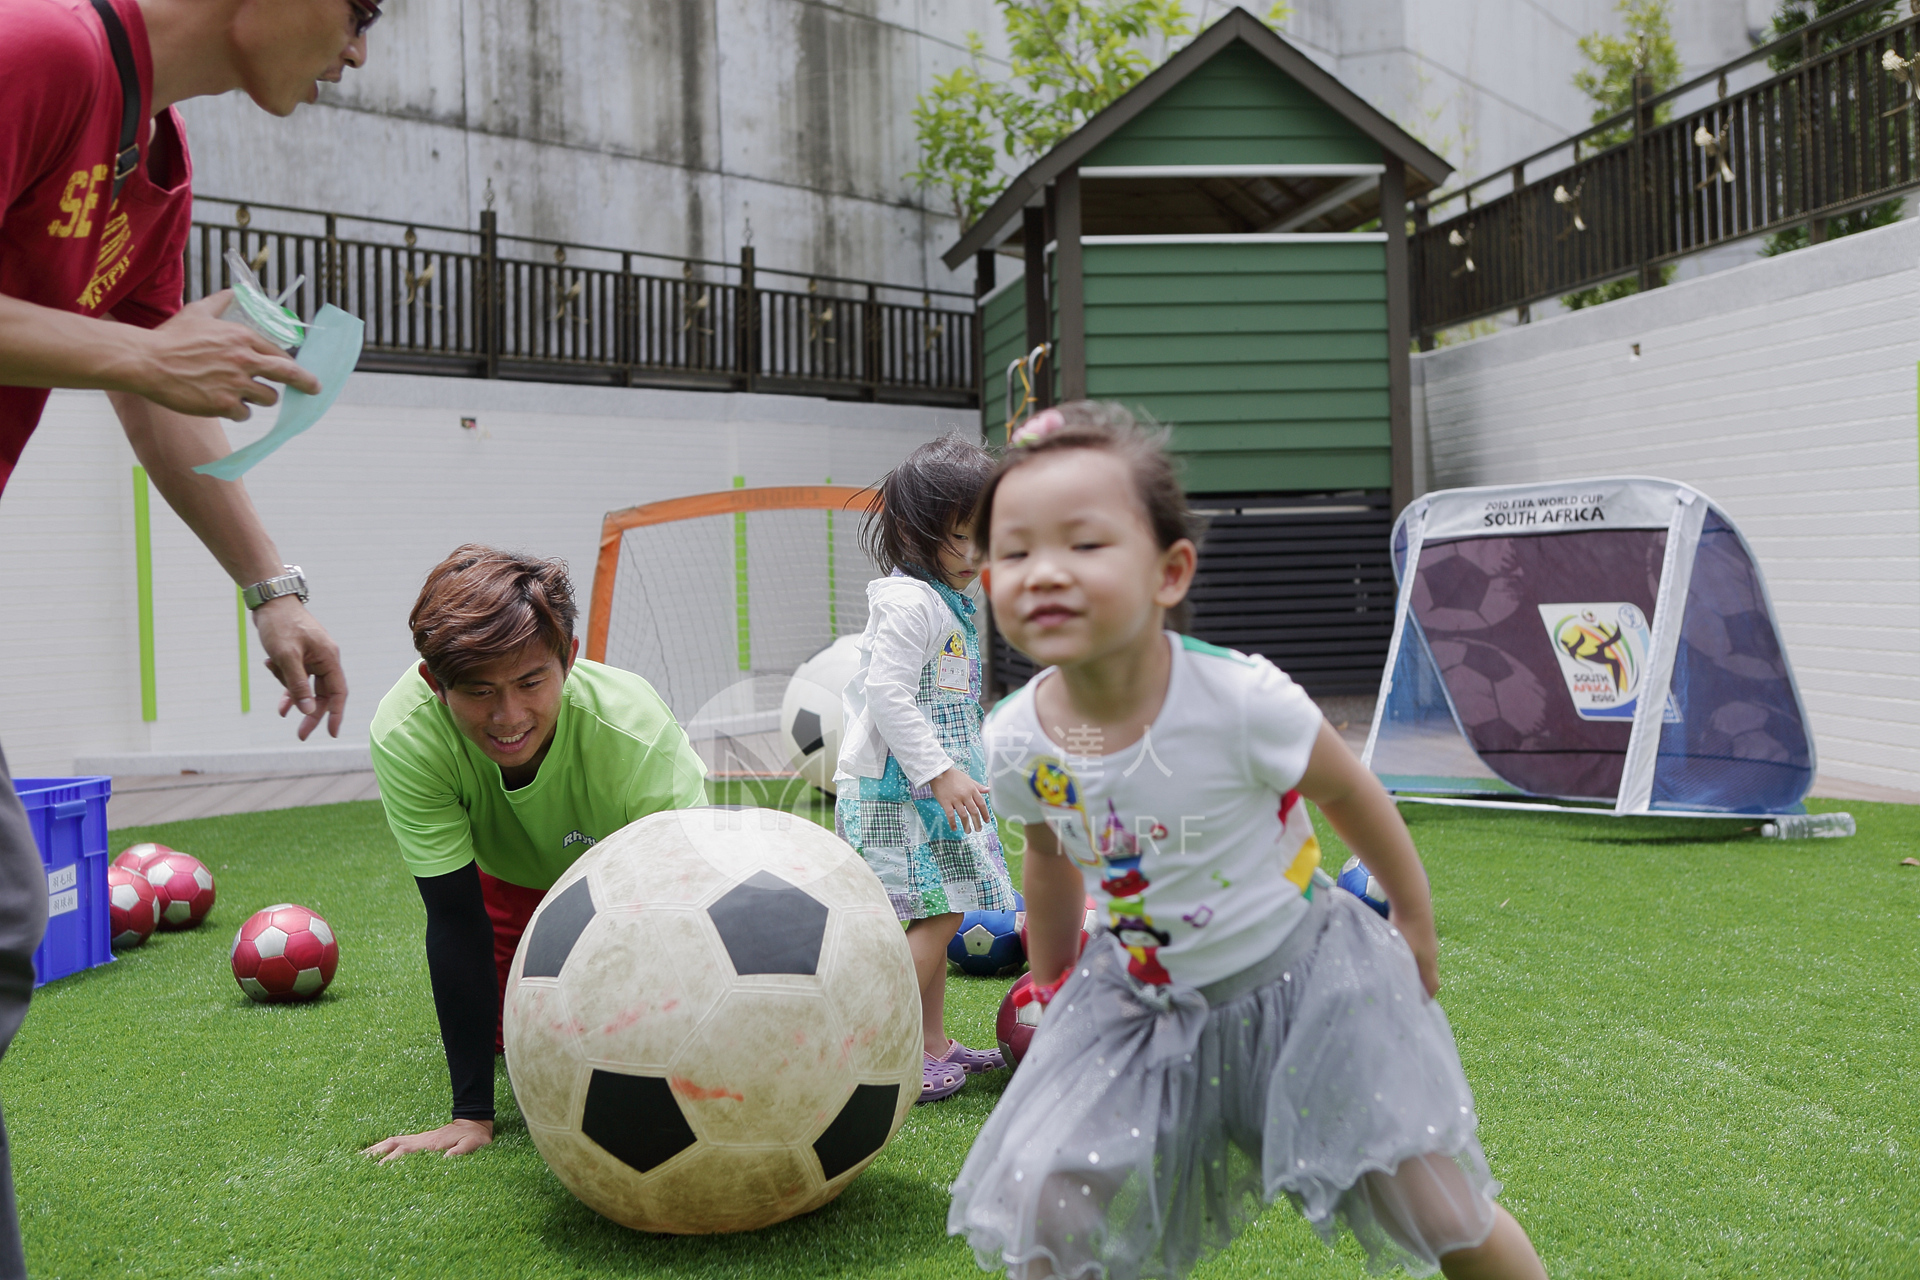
pixel 1303 579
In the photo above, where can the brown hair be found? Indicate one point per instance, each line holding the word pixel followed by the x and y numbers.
pixel 921 502
pixel 481 604
pixel 1108 428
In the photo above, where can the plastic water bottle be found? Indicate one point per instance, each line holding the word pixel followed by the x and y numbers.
pixel 1801 826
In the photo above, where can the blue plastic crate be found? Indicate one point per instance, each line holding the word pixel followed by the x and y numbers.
pixel 69 821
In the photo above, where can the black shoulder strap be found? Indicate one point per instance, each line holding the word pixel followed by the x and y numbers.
pixel 128 158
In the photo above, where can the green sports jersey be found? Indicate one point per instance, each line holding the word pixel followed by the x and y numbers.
pixel 617 756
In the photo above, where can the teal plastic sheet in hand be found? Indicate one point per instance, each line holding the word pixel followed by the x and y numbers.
pixel 330 352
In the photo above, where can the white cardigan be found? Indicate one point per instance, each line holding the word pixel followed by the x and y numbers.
pixel 908 624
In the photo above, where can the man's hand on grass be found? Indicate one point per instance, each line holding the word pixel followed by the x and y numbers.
pixel 454 1139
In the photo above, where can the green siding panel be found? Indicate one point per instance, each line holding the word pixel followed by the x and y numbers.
pixel 1269 360
pixel 1237 109
pixel 1365 409
pixel 1249 375
pixel 1003 325
pixel 1246 286
pixel 1227 257
pixel 1233 151
pixel 1132 350
pixel 1236 317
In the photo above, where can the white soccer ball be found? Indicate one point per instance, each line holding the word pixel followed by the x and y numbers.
pixel 810 718
pixel 712 1022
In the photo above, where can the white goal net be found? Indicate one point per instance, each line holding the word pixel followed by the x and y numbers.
pixel 716 598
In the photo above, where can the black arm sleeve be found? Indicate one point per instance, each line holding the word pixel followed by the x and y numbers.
pixel 466 994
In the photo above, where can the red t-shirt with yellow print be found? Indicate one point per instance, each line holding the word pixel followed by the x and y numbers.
pixel 65 242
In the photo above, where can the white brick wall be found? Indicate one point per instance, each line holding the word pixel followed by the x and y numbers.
pixel 1785 390
pixel 366 502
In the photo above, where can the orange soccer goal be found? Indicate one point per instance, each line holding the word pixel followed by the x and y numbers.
pixel 715 598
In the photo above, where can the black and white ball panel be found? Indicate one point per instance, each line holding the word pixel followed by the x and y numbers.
pixel 732 983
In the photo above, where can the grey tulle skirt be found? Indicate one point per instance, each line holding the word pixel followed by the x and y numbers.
pixel 1146 1126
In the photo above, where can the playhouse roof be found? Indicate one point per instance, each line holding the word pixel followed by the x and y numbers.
pixel 1255 199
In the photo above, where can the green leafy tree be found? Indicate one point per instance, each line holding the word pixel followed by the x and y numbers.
pixel 1791 16
pixel 1068 59
pixel 957 121
pixel 1645 47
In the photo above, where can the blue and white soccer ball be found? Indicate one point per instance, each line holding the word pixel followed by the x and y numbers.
pixel 988 944
pixel 1358 881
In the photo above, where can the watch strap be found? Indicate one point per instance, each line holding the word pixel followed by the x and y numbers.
pixel 291 583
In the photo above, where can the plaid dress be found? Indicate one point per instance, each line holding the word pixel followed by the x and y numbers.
pixel 930 868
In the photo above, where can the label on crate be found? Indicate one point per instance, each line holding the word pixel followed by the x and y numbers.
pixel 61 903
pixel 64 878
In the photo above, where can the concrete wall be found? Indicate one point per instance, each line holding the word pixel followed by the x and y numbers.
pixel 670 126
pixel 366 502
pixel 1784 389
pixel 681 126
pixel 1485 82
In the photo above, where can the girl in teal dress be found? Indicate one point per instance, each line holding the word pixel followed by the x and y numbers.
pixel 912 772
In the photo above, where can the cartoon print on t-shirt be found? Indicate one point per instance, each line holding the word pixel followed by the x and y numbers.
pixel 1307 860
pixel 1126 885
pixel 1054 786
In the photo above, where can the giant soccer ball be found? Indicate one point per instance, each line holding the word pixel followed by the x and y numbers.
pixel 810 719
pixel 712 1022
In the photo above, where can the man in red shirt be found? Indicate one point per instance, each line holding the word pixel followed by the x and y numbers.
pixel 91 238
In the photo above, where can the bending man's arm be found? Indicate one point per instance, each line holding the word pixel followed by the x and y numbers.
pixel 300 654
pixel 465 996
pixel 195 363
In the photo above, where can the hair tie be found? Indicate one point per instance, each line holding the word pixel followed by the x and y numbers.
pixel 1038 428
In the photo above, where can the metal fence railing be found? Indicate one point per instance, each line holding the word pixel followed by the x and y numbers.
pixel 484 304
pixel 1837 131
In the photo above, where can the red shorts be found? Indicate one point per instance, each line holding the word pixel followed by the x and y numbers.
pixel 509 907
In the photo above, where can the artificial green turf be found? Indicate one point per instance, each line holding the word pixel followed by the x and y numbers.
pixel 1688 1051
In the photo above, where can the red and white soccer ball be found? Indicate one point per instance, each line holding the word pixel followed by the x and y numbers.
pixel 184 886
pixel 135 857
pixel 132 906
pixel 1018 1019
pixel 284 953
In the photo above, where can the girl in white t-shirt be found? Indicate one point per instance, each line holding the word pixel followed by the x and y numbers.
pixel 911 778
pixel 1238 1030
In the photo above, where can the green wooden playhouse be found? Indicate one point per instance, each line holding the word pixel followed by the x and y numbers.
pixel 1225 249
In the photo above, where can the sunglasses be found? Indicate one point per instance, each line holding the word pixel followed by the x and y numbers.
pixel 365 14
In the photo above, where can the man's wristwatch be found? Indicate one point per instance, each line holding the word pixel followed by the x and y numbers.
pixel 291 583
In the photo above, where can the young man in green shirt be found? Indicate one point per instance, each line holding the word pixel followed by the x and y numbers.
pixel 502 758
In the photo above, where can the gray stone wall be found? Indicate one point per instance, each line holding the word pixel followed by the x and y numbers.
pixel 684 126
pixel 675 126
pixel 1485 82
